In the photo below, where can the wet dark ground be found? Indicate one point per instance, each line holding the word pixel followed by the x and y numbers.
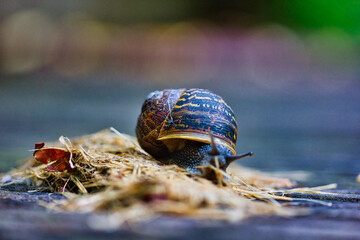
pixel 298 128
pixel 311 131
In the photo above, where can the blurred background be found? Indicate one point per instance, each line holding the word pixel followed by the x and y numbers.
pixel 289 69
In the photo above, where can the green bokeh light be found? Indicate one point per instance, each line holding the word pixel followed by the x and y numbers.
pixel 313 14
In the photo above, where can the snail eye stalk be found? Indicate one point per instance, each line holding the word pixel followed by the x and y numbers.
pixel 230 159
pixel 214 151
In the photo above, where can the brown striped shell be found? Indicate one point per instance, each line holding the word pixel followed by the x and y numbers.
pixel 170 116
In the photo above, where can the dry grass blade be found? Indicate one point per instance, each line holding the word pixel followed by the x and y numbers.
pixel 113 174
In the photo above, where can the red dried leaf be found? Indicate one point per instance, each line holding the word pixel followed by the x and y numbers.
pixel 46 155
pixel 59 166
pixel 39 145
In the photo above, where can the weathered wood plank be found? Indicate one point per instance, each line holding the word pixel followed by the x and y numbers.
pixel 342 197
pixel 23 218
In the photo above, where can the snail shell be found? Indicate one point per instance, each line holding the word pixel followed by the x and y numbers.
pixel 173 119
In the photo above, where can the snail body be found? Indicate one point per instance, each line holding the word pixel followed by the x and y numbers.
pixel 189 128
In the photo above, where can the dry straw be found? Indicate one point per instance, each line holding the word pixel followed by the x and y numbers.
pixel 112 174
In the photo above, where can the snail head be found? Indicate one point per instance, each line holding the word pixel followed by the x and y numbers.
pixel 217 158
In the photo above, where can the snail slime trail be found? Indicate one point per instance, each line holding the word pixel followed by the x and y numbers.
pixel 189 128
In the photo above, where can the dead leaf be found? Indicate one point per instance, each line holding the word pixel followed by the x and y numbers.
pixel 47 155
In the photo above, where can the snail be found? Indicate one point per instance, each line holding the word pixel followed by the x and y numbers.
pixel 189 128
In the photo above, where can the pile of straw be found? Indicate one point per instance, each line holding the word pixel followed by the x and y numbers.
pixel 112 174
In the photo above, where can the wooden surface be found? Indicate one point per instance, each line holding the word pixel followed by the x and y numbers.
pixel 304 130
pixel 23 218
